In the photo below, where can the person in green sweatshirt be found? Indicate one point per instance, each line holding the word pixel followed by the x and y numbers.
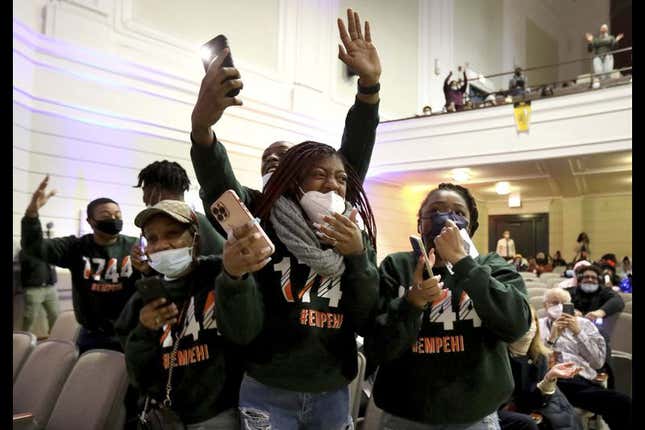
pixel 102 273
pixel 210 160
pixel 167 180
pixel 440 340
pixel 180 331
pixel 300 319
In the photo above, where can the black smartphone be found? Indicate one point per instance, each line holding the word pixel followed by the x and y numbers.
pixel 567 308
pixel 152 289
pixel 212 49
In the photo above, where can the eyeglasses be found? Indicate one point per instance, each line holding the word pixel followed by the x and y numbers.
pixel 591 278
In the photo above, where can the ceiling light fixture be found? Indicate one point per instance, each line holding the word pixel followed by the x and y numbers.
pixel 502 188
pixel 461 174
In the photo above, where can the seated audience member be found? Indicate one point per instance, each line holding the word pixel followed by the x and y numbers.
pixel 533 266
pixel 176 343
pixel 609 278
pixel 518 83
pixel 440 338
pixel 577 339
pixel 210 161
pixel 558 260
pixel 454 93
pixel 102 272
pixel 543 265
pixel 572 281
pixel 167 180
pixel 535 384
pixel 626 267
pixel 590 298
pixel 319 290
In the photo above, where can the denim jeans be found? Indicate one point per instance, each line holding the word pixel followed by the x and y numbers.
pixel 35 297
pixel 603 64
pixel 263 407
pixel 392 422
pixel 225 420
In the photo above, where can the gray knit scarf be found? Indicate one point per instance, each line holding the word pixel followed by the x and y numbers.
pixel 297 235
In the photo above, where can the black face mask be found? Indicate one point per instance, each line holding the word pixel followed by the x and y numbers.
pixel 438 220
pixel 109 226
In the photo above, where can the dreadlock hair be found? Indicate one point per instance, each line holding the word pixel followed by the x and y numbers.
pixel 94 203
pixel 167 175
pixel 291 171
pixel 468 198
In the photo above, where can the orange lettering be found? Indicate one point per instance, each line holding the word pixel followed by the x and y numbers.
pixel 312 318
pixel 182 358
pixel 191 355
pixel 166 360
pixel 206 351
pixel 446 344
pixel 303 316
pixel 437 344
pixel 429 345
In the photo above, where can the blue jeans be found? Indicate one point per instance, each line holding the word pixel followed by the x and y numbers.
pixel 392 422
pixel 263 407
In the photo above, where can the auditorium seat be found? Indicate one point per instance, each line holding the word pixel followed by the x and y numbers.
pixel 537 302
pixel 66 327
pixel 23 344
pixel 42 378
pixel 628 307
pixel 536 292
pixel 549 275
pixel 98 408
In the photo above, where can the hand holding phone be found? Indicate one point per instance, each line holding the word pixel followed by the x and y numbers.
pixel 213 49
pixel 420 250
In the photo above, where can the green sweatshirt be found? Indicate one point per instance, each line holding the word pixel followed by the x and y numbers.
pixel 300 328
pixel 206 379
pixel 449 363
pixel 602 45
pixel 215 173
pixel 102 276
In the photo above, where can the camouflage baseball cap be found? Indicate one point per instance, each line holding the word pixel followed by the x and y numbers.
pixel 176 209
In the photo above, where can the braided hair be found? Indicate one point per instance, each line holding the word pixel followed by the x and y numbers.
pixel 291 171
pixel 167 175
pixel 465 194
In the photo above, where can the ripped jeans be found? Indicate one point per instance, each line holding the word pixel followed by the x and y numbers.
pixel 264 408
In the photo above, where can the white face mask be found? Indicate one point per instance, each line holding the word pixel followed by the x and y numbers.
pixel 265 179
pixel 172 262
pixel 555 311
pixel 316 205
pixel 589 288
pixel 521 346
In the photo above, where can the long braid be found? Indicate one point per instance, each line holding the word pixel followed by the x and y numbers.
pixel 292 168
pixel 467 196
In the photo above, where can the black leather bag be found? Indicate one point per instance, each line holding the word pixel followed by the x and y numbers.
pixel 156 416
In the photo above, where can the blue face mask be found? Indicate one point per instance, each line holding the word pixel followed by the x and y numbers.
pixel 438 220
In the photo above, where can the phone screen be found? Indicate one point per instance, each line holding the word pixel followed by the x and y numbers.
pixel 212 49
pixel 420 251
pixel 568 308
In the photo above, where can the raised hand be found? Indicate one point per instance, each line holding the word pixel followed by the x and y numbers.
pixel 589 37
pixel 212 99
pixel 136 256
pixel 424 291
pixel 620 36
pixel 157 313
pixel 342 233
pixel 357 50
pixel 39 198
pixel 449 243
pixel 240 255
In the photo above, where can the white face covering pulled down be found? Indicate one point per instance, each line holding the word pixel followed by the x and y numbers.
pixel 265 179
pixel 521 346
pixel 316 205
pixel 589 288
pixel 555 311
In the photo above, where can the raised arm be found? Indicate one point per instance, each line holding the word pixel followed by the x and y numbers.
pixel 53 251
pixel 445 83
pixel 359 53
pixel 210 160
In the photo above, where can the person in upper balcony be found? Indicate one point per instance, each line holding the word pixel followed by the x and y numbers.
pixel 517 84
pixel 601 45
pixel 454 92
pixel 558 260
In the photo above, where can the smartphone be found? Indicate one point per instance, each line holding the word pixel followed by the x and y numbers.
pixel 213 49
pixel 151 288
pixel 143 243
pixel 607 280
pixel 420 250
pixel 231 213
pixel 567 308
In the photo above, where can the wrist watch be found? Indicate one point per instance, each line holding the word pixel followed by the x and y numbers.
pixel 373 89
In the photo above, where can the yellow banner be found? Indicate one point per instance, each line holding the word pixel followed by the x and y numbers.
pixel 522 112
